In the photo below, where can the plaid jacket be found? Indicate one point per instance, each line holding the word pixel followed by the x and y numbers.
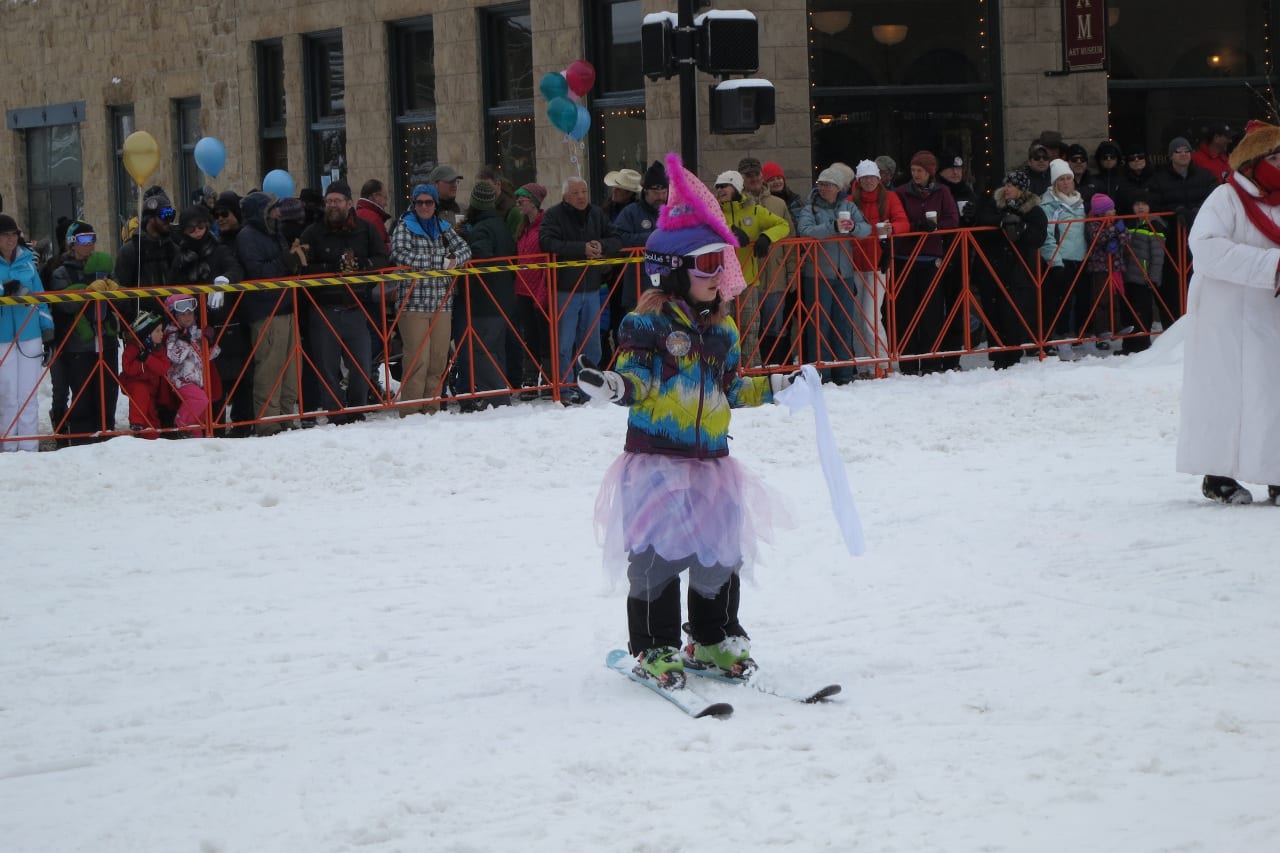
pixel 414 248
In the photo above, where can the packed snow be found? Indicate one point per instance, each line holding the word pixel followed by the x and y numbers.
pixel 390 636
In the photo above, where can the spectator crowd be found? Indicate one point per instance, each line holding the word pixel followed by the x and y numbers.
pixel 1072 233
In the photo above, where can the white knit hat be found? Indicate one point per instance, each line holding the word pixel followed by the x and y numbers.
pixel 734 178
pixel 1058 168
pixel 867 169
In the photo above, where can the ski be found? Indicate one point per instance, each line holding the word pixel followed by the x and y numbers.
pixel 684 698
pixel 756 682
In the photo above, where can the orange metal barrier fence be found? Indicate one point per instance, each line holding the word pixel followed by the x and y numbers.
pixel 290 352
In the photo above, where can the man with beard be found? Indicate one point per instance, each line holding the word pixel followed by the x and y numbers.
pixel 339 327
pixel 146 257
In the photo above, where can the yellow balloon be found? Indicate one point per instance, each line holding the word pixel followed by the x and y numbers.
pixel 141 156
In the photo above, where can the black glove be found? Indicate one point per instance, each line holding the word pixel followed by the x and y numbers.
pixel 184 334
pixel 924 225
pixel 743 239
pixel 762 245
pixel 11 287
pixel 1013 225
pixel 188 258
pixel 600 384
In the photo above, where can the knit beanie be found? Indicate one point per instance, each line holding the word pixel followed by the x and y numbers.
pixel 1019 178
pixel 771 170
pixel 1178 142
pixel 342 188
pixel 78 227
pixel 1057 169
pixel 1100 204
pixel 887 164
pixel 537 192
pixel 483 195
pixel 655 177
pixel 925 160
pixel 228 200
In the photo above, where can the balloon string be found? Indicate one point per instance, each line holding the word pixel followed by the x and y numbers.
pixel 576 148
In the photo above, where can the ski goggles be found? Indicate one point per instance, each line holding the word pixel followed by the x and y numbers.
pixel 186 303
pixel 86 238
pixel 705 265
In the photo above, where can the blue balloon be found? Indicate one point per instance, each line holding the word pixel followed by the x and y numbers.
pixel 563 113
pixel 279 183
pixel 581 122
pixel 211 156
pixel 553 85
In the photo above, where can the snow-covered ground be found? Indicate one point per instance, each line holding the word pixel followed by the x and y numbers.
pixel 390 637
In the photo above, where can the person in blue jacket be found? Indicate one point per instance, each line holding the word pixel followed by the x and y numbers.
pixel 25 330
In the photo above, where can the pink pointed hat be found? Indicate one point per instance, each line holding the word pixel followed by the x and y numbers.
pixel 688 224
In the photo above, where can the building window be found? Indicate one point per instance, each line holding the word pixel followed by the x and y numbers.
pixel 507 50
pixel 413 82
pixel 1201 70
pixel 187 126
pixel 55 180
pixel 273 144
pixel 897 78
pixel 326 109
pixel 126 191
pixel 617 139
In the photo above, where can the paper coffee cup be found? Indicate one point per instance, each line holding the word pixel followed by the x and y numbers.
pixel 882 229
pixel 931 215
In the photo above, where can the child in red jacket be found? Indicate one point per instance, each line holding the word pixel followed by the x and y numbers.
pixel 142 372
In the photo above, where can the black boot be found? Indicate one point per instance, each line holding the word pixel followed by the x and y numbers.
pixel 655 624
pixel 1225 490
pixel 713 619
pixel 1273 495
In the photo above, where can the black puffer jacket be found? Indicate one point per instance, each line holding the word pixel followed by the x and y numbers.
pixel 325 248
pixel 263 256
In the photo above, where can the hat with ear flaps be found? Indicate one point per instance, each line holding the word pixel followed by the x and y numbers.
pixel 691 221
pixel 1260 139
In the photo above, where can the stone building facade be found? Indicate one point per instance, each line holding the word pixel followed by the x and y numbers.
pixel 93 57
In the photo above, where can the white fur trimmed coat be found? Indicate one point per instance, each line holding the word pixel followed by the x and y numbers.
pixel 1231 362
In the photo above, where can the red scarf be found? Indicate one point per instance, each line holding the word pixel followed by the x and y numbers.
pixel 1253 208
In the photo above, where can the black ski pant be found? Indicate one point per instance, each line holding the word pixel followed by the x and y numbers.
pixel 655 622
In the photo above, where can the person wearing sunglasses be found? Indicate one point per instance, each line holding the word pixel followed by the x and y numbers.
pixel 146 258
pixel 86 341
pixel 1135 174
pixel 339 329
pixel 423 240
pixel 675 500
pixel 205 259
pixel 25 332
pixel 1109 177
pixel 1180 186
pixel 1037 168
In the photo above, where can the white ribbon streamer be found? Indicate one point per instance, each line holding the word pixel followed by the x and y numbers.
pixel 807 391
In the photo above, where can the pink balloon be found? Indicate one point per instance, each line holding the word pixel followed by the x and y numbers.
pixel 581 76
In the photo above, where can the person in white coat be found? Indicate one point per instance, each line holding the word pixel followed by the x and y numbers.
pixel 1230 428
pixel 25 332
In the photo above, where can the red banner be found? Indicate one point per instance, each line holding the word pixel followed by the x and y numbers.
pixel 1084 34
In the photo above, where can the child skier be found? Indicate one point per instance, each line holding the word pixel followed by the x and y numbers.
pixel 142 372
pixel 674 500
pixel 185 345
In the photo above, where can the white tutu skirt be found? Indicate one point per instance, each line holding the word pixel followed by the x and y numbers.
pixel 710 511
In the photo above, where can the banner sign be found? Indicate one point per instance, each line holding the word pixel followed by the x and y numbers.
pixel 1084 34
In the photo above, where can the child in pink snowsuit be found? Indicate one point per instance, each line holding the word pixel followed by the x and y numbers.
pixel 186 344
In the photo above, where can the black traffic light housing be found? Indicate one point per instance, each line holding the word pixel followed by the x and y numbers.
pixel 741 106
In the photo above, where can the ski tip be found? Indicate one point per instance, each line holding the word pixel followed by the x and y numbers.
pixel 719 710
pixel 823 694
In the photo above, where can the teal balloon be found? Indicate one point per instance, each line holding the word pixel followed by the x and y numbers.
pixel 211 156
pixel 553 85
pixel 563 114
pixel 581 122
pixel 278 182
